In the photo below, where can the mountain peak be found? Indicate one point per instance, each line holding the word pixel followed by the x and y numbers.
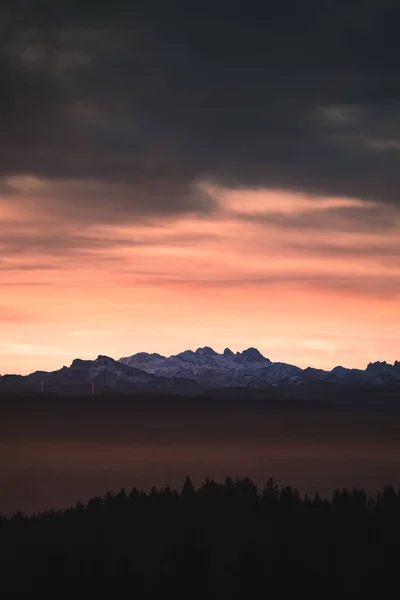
pixel 380 367
pixel 253 355
pixel 228 352
pixel 103 360
pixel 79 362
pixel 186 354
pixel 206 351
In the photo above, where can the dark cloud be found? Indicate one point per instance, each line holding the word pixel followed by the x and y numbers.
pixel 19 242
pixel 158 97
pixel 93 201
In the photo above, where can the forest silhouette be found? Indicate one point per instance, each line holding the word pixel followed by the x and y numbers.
pixel 222 538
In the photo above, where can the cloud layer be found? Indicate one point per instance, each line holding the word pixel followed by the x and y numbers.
pixel 154 99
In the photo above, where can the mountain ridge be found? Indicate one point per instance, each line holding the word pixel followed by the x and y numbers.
pixel 227 369
pixel 194 371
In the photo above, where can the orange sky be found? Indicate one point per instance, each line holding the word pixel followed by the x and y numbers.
pixel 175 179
pixel 307 281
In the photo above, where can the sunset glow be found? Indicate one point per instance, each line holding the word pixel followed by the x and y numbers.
pixel 248 274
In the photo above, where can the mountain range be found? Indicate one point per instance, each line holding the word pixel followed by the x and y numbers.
pixel 194 371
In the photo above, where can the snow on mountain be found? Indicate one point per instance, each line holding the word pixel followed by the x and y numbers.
pixel 210 369
pixel 192 371
pixel 251 369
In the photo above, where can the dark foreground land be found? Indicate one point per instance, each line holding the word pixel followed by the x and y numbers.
pixel 233 413
pixel 236 539
pixel 220 540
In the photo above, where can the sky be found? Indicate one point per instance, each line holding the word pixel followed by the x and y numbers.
pixel 174 175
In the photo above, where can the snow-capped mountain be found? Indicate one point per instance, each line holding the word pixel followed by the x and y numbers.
pixel 194 371
pixel 210 369
pixel 251 369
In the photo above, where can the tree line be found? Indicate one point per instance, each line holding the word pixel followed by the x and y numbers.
pixel 223 537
